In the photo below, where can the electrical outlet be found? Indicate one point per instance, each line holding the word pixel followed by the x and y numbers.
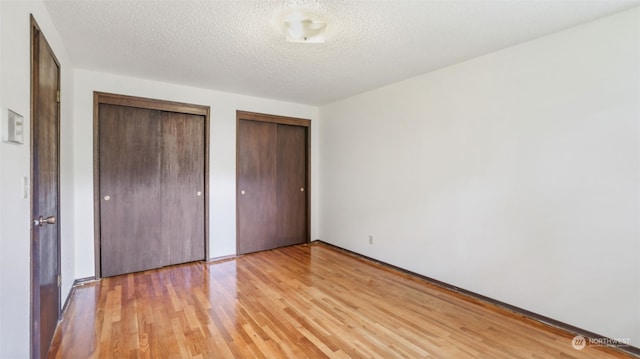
pixel 370 239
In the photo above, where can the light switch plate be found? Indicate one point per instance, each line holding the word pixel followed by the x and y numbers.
pixel 26 187
pixel 15 128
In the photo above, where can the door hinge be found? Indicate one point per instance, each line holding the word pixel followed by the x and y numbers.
pixel 58 96
pixel 59 280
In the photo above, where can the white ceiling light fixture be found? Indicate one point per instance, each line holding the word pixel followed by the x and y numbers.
pixel 303 21
pixel 305 31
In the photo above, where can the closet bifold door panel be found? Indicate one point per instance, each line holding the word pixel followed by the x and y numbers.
pixel 130 167
pixel 182 177
pixel 152 187
pixel 291 185
pixel 257 204
pixel 272 182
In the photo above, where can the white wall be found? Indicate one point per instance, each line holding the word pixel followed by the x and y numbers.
pixel 15 164
pixel 514 175
pixel 2 131
pixel 222 224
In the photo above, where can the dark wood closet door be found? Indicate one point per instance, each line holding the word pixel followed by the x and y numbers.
pixel 257 175
pixel 291 185
pixel 183 186
pixel 272 200
pixel 130 190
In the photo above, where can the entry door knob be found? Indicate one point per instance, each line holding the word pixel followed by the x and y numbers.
pixel 42 221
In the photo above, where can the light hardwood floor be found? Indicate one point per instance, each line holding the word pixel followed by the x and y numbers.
pixel 306 301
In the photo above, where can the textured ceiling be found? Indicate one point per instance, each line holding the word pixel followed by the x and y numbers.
pixel 238 46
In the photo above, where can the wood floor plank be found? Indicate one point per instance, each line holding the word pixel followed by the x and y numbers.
pixel 305 301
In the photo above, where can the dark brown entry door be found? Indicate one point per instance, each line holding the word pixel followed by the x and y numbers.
pixel 45 161
pixel 272 201
pixel 151 188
